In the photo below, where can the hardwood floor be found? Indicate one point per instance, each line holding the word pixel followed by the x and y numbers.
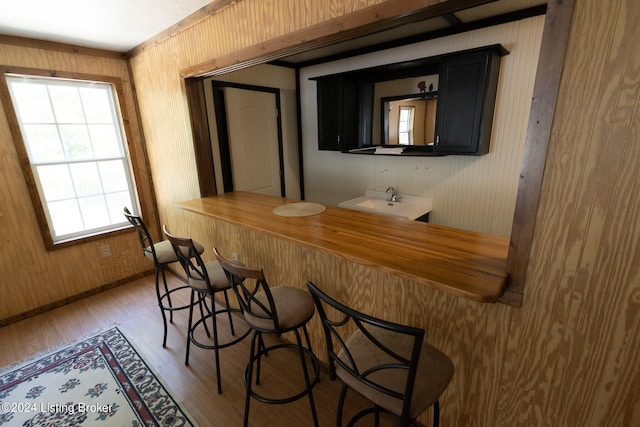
pixel 132 307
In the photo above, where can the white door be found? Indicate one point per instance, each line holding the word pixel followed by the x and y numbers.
pixel 253 140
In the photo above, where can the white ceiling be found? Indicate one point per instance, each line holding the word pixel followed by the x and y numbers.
pixel 117 25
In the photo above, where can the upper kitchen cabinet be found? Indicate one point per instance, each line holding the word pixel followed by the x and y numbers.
pixel 467 93
pixel 338 101
pixel 465 85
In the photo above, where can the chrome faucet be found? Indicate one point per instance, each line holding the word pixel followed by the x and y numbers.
pixel 395 197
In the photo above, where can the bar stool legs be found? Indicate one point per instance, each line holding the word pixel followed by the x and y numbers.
pixel 304 354
pixel 272 311
pixel 164 300
pixel 206 279
pixel 160 270
pixel 200 298
pixel 161 254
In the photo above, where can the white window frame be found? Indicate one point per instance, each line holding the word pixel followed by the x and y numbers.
pixel 405 126
pixel 110 213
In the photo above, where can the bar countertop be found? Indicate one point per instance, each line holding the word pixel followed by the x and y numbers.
pixel 459 262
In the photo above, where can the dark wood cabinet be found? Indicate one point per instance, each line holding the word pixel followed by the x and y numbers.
pixel 466 95
pixel 466 98
pixel 338 105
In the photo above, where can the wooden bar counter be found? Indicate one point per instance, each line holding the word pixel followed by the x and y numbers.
pixel 459 262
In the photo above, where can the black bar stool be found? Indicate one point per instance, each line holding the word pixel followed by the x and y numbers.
pixel 205 280
pixel 388 363
pixel 274 311
pixel 161 254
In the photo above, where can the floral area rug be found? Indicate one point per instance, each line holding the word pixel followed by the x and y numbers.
pixel 97 381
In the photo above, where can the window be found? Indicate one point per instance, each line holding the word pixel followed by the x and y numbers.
pixel 74 140
pixel 405 126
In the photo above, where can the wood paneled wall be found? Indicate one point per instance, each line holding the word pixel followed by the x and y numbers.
pixel 572 357
pixel 31 278
pixel 569 356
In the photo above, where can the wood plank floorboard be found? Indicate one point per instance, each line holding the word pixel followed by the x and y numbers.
pixel 133 308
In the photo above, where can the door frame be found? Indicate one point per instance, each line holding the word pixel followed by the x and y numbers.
pixel 220 108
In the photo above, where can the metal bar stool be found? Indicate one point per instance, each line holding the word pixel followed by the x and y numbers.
pixel 388 363
pixel 274 311
pixel 205 280
pixel 161 254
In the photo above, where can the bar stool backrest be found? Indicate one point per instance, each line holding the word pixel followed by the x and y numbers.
pixel 146 242
pixel 190 259
pixel 253 294
pixel 340 323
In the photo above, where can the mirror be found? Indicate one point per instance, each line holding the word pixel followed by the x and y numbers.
pixel 409 119
pixel 415 99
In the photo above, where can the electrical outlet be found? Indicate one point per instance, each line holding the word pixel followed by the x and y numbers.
pixel 235 256
pixel 105 250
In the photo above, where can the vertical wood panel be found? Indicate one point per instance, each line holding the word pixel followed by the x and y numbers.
pixel 599 223
pixel 581 300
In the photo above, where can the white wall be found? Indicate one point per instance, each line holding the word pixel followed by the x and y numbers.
pixel 469 192
pixel 269 76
